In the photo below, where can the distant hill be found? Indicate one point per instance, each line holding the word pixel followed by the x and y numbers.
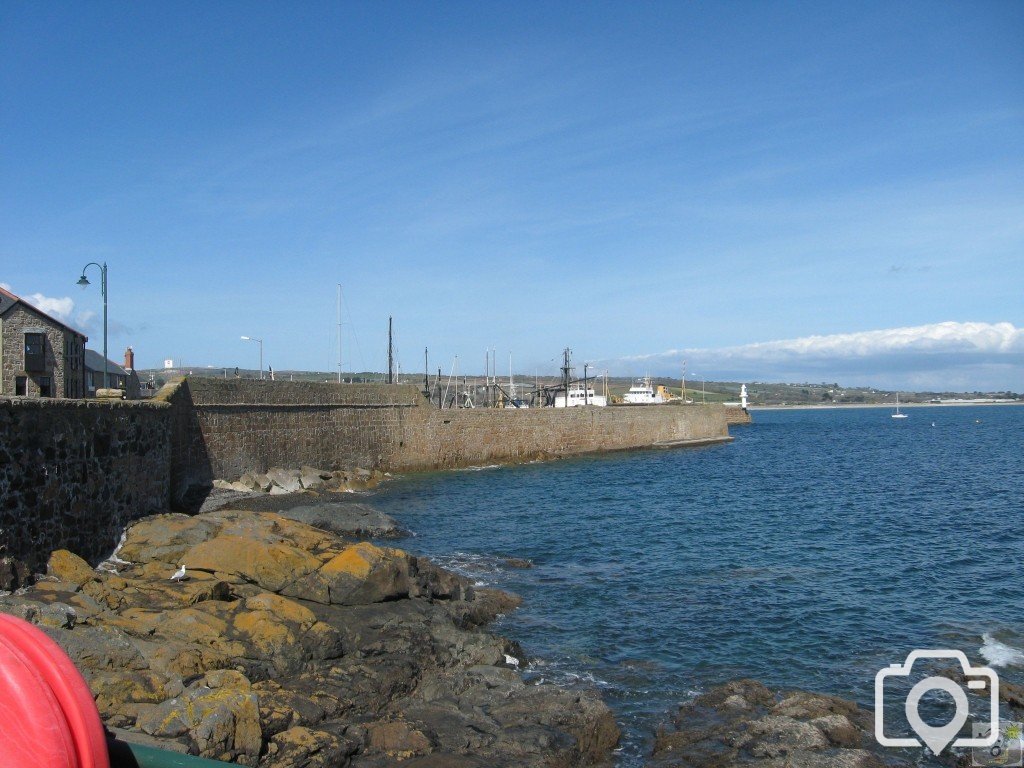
pixel 758 393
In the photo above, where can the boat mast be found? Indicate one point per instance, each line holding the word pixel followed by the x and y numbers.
pixel 391 355
pixel 339 333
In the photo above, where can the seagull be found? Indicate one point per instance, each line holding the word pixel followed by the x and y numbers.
pixel 179 574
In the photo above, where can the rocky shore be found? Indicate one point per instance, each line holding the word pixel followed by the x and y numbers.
pixel 287 645
pixel 300 637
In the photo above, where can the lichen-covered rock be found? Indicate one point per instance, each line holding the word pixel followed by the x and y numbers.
pixel 302 747
pixel 287 645
pixel 220 718
pixel 363 573
pixel 69 567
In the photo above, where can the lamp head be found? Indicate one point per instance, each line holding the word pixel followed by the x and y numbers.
pixel 246 338
pixel 83 280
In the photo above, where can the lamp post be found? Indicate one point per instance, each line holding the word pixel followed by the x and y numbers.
pixel 84 281
pixel 260 342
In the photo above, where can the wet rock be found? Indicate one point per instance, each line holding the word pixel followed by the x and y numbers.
pixel 517 562
pixel 743 723
pixel 347 519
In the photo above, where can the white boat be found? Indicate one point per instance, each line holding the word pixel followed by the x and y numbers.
pixel 579 396
pixel 642 393
pixel 898 415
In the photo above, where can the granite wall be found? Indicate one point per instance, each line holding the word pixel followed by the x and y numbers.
pixel 73 473
pixel 224 428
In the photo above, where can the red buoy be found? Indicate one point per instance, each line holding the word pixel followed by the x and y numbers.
pixel 47 715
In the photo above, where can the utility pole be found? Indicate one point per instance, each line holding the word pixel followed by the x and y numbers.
pixel 426 368
pixel 586 397
pixel 391 354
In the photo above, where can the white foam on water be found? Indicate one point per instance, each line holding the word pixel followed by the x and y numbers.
pixel 999 654
pixel 110 564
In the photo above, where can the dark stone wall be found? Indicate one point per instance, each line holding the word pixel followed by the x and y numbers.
pixel 73 473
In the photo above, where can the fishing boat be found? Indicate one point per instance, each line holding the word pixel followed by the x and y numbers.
pixel 898 415
pixel 642 393
pixel 579 396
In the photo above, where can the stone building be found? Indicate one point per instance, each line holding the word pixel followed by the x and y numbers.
pixel 39 355
pixel 116 375
pixel 121 377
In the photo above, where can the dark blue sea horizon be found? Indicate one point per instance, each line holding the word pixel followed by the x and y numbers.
pixel 818 547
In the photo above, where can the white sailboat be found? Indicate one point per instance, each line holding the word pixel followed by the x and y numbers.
pixel 898 415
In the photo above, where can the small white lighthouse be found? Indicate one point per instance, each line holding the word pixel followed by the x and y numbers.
pixel 743 396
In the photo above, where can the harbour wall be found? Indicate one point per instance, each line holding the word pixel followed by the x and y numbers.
pixel 73 473
pixel 225 428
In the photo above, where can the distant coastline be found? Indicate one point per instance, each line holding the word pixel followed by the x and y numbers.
pixel 889 406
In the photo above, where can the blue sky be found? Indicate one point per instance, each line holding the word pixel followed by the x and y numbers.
pixel 726 183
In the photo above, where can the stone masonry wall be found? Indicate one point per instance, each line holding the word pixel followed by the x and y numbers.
pixel 225 428
pixel 73 473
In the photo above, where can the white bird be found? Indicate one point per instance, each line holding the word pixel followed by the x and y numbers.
pixel 179 574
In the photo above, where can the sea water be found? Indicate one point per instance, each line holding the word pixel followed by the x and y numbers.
pixel 818 547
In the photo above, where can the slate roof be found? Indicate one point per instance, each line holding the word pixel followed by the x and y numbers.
pixel 94 362
pixel 8 300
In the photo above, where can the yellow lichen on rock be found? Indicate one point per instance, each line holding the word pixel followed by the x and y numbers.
pixel 270 565
pixel 281 607
pixel 69 567
pixel 358 560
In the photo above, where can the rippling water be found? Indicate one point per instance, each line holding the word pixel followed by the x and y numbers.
pixel 813 550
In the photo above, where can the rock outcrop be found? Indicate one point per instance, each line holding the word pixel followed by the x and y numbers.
pixel 279 481
pixel 287 645
pixel 743 723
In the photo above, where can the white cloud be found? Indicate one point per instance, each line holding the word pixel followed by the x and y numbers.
pixel 58 308
pixel 927 356
pixel 6 287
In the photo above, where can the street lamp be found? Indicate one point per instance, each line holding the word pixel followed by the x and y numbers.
pixel 84 281
pixel 260 342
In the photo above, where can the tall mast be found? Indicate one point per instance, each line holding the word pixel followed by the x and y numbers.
pixel 391 355
pixel 566 370
pixel 339 333
pixel 426 369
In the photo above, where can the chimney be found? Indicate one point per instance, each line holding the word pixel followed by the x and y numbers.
pixel 129 359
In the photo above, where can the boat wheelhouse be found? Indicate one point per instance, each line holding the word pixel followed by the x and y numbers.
pixel 642 393
pixel 579 396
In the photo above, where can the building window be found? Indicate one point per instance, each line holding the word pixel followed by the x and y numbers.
pixel 35 352
pixel 20 385
pixel 45 386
